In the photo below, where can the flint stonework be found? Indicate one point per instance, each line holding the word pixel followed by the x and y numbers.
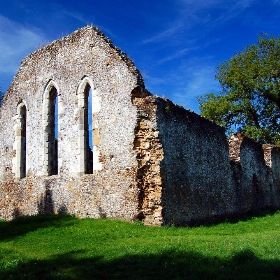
pixel 150 159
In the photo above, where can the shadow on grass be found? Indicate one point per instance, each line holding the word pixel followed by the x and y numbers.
pixel 23 225
pixel 167 265
pixel 233 218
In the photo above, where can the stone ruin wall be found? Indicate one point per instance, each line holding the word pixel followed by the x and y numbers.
pixel 159 162
pixel 205 175
pixel 255 170
pixel 110 192
pixel 149 155
pixel 195 169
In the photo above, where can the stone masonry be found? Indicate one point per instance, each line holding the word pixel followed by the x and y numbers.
pixel 150 159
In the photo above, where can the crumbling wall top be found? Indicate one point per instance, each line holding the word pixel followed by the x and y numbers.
pixel 85 34
pixel 93 38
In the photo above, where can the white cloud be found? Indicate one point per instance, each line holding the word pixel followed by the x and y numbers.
pixel 176 55
pixel 16 41
pixel 195 81
pixel 197 13
pixel 192 79
pixel 75 15
pixel 193 45
pixel 201 80
pixel 164 35
pixel 228 6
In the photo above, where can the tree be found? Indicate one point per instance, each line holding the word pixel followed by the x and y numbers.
pixel 249 101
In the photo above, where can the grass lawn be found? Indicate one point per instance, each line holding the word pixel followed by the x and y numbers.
pixel 65 247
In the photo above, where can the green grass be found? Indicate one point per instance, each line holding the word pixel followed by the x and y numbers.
pixel 64 247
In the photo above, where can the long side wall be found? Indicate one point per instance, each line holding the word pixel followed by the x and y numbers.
pixel 195 168
pixel 255 171
pixel 274 164
pixel 200 180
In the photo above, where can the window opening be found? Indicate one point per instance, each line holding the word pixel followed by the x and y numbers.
pixel 53 156
pixel 22 143
pixel 52 131
pixel 89 138
pixel 88 131
pixel 56 118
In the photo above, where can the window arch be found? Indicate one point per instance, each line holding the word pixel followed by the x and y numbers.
pixel 88 142
pixel 20 141
pixel 50 129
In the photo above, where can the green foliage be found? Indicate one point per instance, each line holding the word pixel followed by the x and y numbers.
pixel 167 110
pixel 250 98
pixel 64 247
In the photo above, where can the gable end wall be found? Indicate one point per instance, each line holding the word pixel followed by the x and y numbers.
pixel 109 192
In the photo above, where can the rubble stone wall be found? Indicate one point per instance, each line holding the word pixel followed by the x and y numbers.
pixel 111 191
pixel 151 160
pixel 150 154
pixel 205 176
pixel 255 174
pixel 196 167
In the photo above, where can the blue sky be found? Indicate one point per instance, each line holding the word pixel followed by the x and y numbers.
pixel 176 44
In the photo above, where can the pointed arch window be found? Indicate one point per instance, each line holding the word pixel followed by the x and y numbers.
pixel 89 105
pixel 50 129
